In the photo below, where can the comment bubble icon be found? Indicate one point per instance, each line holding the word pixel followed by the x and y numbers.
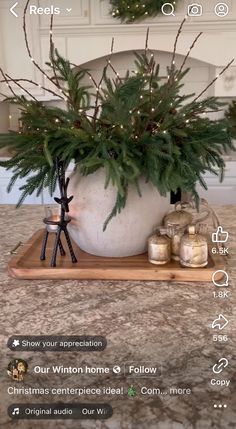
pixel 220 278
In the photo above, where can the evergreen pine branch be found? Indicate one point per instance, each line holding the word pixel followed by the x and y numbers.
pixel 119 205
pixel 141 125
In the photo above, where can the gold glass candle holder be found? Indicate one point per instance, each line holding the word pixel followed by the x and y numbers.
pixel 193 249
pixel 159 249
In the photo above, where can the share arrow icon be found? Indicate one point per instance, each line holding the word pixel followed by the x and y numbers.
pixel 221 322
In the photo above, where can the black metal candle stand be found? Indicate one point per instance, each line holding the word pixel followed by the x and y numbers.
pixel 61 224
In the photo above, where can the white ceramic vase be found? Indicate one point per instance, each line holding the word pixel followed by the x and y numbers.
pixel 128 232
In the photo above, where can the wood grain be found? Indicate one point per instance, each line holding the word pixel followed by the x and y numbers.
pixel 27 265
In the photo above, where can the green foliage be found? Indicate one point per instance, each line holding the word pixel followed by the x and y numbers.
pixel 231 116
pixel 134 10
pixel 77 94
pixel 146 127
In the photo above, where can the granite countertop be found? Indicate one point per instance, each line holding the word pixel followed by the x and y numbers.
pixel 142 321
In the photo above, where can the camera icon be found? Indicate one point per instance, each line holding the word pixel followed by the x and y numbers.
pixel 195 9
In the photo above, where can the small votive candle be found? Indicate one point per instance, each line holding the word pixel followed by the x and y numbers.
pixel 52 215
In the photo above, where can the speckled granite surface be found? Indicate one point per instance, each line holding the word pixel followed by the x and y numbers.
pixel 143 322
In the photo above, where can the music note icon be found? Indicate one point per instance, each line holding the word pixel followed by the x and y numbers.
pixel 16 411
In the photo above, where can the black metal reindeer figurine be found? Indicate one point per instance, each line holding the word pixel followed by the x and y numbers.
pixel 63 222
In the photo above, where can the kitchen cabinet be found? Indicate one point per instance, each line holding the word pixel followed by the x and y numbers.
pixel 13 196
pixel 221 193
pixel 72 13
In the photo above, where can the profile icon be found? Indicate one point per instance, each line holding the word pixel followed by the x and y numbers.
pixel 221 10
pixel 17 369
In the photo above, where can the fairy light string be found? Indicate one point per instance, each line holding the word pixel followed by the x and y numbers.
pixel 46 76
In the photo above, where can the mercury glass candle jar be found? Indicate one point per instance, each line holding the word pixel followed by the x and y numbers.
pixel 176 223
pixel 159 249
pixel 193 249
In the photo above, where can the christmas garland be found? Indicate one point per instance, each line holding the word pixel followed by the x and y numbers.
pixel 133 10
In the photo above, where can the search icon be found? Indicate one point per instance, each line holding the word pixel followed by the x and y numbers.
pixel 168 9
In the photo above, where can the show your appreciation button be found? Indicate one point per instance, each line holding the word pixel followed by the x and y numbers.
pixel 60 411
pixel 51 343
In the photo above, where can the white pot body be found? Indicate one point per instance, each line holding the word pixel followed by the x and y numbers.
pixel 128 232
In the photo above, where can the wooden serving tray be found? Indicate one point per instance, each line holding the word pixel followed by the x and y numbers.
pixel 26 265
